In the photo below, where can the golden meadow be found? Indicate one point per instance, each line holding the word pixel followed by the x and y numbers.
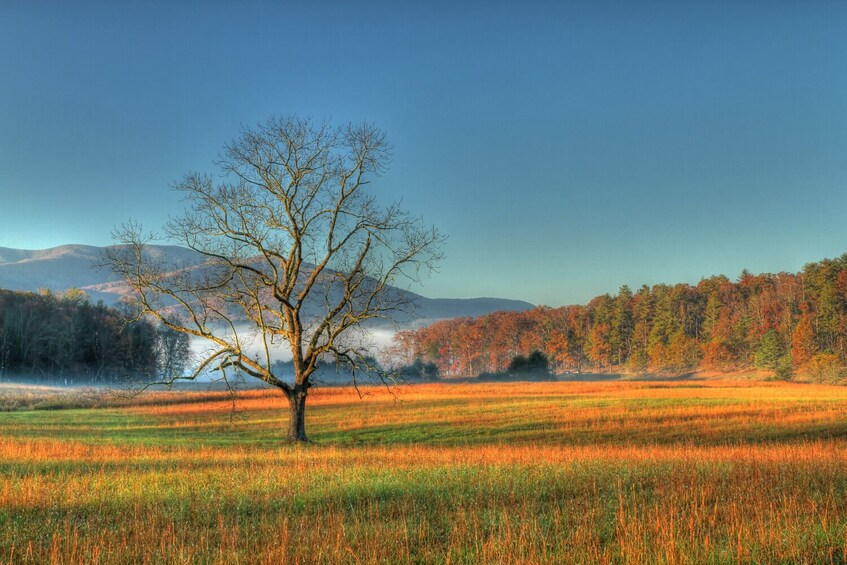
pixel 614 472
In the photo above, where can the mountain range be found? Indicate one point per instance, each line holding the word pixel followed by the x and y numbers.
pixel 77 266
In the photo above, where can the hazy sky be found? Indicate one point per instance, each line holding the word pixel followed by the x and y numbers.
pixel 565 148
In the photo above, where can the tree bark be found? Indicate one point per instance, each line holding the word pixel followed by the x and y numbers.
pixel 297 415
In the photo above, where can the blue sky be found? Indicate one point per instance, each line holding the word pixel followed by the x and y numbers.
pixel 565 148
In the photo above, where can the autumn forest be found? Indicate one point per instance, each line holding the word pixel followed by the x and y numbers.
pixel 788 324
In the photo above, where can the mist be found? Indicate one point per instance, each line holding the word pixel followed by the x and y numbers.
pixel 375 339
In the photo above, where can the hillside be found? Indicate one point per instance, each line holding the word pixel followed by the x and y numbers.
pixel 76 266
pixel 785 324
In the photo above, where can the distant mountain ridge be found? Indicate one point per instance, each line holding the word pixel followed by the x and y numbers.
pixel 75 266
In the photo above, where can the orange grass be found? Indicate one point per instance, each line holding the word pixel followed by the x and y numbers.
pixel 627 472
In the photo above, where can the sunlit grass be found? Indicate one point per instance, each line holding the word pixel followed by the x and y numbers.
pixel 549 472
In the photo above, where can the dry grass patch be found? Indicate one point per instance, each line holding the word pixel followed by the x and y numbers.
pixel 540 473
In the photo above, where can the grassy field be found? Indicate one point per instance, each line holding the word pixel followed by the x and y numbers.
pixel 618 472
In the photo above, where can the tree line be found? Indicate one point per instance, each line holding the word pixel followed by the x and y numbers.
pixel 63 337
pixel 786 323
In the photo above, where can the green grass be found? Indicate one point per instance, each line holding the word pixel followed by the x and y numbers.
pixel 619 473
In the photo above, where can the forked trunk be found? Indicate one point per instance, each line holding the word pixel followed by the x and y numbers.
pixel 297 415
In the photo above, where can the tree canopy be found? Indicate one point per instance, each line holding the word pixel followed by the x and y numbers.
pixel 786 323
pixel 63 337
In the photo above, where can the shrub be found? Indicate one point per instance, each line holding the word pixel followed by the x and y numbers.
pixel 536 363
pixel 825 368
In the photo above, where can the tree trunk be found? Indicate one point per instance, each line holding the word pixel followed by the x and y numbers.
pixel 297 415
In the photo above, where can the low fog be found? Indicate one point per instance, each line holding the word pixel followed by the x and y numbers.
pixel 376 339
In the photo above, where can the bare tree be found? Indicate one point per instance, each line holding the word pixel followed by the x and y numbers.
pixel 294 246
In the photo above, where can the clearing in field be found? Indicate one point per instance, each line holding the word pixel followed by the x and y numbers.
pixel 619 472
